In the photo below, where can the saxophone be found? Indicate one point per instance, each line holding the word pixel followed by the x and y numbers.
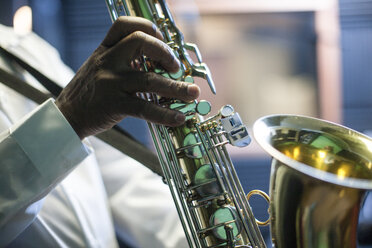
pixel 211 203
pixel 317 165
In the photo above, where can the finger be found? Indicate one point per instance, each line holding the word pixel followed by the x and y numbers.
pixel 151 112
pixel 137 44
pixel 155 83
pixel 125 25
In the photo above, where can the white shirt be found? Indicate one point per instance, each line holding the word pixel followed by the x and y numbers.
pixel 46 199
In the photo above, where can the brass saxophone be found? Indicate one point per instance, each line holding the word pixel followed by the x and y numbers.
pixel 320 170
pixel 210 201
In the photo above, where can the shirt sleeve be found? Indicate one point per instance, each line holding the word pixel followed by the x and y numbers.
pixel 35 154
pixel 150 218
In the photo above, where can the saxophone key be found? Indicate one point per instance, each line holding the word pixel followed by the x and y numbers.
pixel 205 181
pixel 201 201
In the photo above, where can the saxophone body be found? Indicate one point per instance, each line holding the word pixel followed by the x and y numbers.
pixel 320 172
pixel 211 203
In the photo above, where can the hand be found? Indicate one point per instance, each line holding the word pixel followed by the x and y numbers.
pixel 104 89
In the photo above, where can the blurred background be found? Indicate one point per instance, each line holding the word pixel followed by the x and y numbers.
pixel 308 57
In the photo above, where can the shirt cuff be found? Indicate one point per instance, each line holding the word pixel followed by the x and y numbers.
pixel 49 141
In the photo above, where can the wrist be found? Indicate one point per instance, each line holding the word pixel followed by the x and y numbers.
pixel 65 110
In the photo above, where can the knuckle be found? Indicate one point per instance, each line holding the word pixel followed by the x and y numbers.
pixel 121 21
pixel 178 87
pixel 118 24
pixel 98 60
pixel 141 111
pixel 100 77
pixel 173 86
pixel 149 79
pixel 138 40
pixel 138 36
pixel 163 115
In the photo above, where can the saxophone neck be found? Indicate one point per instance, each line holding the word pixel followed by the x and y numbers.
pixel 157 11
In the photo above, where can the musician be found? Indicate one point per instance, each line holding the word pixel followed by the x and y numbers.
pixel 59 189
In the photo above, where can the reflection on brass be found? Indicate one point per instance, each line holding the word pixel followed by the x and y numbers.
pixel 343 164
pixel 320 173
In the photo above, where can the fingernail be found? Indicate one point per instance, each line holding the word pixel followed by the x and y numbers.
pixel 180 118
pixel 158 34
pixel 177 65
pixel 193 90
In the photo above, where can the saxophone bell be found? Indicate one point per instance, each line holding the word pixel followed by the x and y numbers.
pixel 320 175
